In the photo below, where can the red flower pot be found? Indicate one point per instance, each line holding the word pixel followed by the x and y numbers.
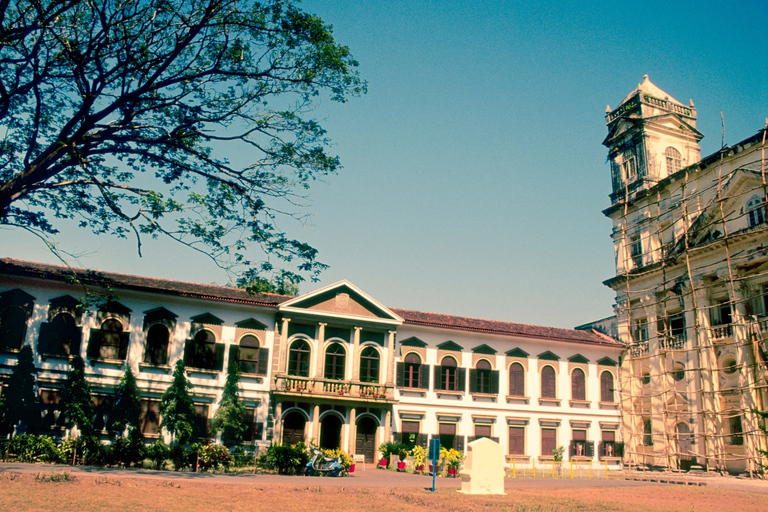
pixel 401 466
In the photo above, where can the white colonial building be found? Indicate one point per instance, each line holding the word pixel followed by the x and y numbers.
pixel 334 366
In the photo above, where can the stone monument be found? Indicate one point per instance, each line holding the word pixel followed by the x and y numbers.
pixel 483 471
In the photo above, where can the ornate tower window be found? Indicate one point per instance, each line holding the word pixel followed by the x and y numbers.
pixel 673 159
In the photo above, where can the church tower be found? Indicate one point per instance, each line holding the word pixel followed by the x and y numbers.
pixel 650 136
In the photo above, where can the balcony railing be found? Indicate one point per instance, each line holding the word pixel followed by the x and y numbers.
pixel 763 323
pixel 719 332
pixel 672 341
pixel 328 388
pixel 638 349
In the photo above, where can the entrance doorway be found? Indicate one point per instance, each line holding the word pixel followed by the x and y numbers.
pixel 293 428
pixel 330 432
pixel 365 443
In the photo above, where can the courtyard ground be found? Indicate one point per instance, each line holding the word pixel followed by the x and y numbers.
pixel 29 487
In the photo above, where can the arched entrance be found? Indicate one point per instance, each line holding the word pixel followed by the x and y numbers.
pixel 293 428
pixel 365 444
pixel 330 432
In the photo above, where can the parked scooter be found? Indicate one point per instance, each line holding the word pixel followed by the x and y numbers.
pixel 320 465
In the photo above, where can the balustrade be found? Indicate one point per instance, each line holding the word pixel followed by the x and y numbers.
pixel 327 387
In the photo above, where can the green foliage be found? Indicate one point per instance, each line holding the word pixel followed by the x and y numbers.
pixel 287 460
pixel 127 451
pixel 114 113
pixel 419 454
pixel 242 457
pixel 76 401
pixel 558 453
pixel 213 457
pixel 451 458
pixel 183 457
pixel 126 414
pixel 33 448
pixel 54 477
pixel 346 460
pixel 177 409
pixel 229 416
pixel 390 449
pixel 159 453
pixel 18 405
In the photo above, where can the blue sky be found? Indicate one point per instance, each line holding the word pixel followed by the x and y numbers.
pixel 474 175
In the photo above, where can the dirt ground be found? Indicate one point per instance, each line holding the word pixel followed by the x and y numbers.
pixel 33 489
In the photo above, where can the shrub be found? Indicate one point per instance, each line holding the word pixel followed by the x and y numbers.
pixel 182 457
pixel 289 460
pixel 389 450
pixel 346 460
pixel 242 457
pixel 213 456
pixel 126 451
pixel 32 448
pixel 158 453
pixel 419 454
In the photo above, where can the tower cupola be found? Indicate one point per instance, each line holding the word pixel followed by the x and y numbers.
pixel 650 136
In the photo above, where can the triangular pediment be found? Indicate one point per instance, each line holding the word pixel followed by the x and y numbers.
pixel 113 306
pixel 341 300
pixel 517 352
pixel 578 358
pixel 606 361
pixel 737 190
pixel 16 297
pixel 413 341
pixel 484 349
pixel 65 302
pixel 160 314
pixel 207 319
pixel 548 356
pixel 251 323
pixel 451 346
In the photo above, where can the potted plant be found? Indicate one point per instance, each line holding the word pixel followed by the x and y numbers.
pixel 451 460
pixel 388 452
pixel 402 454
pixel 419 455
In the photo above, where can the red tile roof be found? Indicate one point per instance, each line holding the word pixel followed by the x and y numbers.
pixel 10 266
pixel 504 328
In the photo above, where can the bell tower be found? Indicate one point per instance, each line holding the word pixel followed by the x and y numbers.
pixel 650 136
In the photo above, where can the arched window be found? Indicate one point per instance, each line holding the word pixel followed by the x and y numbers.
pixel 578 387
pixel 678 373
pixel 335 357
pixel 412 371
pixel 158 337
pixel 203 351
pixel 449 380
pixel 249 355
pixel 673 159
pixel 60 337
pixel 606 387
pixel 111 332
pixel 516 380
pixel 482 377
pixel 755 211
pixel 13 327
pixel 548 388
pixel 298 359
pixel 369 365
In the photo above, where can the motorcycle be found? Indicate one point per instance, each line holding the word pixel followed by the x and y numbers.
pixel 320 465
